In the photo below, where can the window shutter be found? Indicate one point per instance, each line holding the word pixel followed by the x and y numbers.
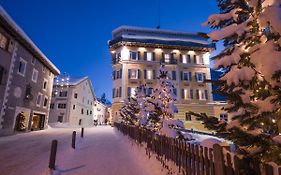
pixel 120 74
pixel 181 58
pixel 191 93
pixel 174 75
pixel 145 55
pixel 194 59
pixel 120 91
pixel 172 58
pixel 175 91
pixel 188 58
pixel 163 57
pixel 197 93
pixel 113 93
pixel 129 73
pixel 206 94
pixel 181 75
pixel 153 56
pixel 129 91
pixel 154 74
pixel 196 79
pixel 113 75
pixel 139 56
pixel 144 73
pixel 182 93
pixel 190 76
pixel 204 76
pixel 139 74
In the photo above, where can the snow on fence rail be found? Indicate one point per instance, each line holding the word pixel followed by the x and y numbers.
pixel 194 159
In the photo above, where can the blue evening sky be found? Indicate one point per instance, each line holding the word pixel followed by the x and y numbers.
pixel 73 34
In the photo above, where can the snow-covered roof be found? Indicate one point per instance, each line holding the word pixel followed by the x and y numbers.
pixel 158 36
pixel 73 81
pixel 22 37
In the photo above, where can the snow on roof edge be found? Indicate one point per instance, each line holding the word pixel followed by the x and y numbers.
pixel 14 25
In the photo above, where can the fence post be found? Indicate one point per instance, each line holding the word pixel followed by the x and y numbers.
pixel 52 160
pixel 218 160
pixel 73 139
pixel 82 132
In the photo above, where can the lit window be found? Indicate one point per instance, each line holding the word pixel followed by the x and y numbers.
pixel 149 56
pixel 3 41
pixel 184 94
pixel 167 58
pixel 34 75
pixel 149 74
pixel 22 67
pixel 184 59
pixel 133 73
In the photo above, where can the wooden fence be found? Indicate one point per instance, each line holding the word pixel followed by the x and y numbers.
pixel 193 159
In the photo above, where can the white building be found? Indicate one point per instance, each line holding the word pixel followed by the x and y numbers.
pixel 101 114
pixel 72 101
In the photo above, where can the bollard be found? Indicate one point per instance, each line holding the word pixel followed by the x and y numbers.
pixel 73 139
pixel 52 161
pixel 82 132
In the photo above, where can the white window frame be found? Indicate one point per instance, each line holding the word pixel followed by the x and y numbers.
pixel 45 80
pixel 131 55
pixel 32 77
pixel 197 74
pixel 25 62
pixel 40 102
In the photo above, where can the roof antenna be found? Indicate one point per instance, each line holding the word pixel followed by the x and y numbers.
pixel 159 15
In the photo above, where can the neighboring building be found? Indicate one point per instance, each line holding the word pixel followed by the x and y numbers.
pixel 26 80
pixel 72 101
pixel 100 112
pixel 136 55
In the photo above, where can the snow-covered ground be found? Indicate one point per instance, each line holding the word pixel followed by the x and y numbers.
pixel 102 151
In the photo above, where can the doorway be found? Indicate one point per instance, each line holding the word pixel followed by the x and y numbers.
pixel 38 121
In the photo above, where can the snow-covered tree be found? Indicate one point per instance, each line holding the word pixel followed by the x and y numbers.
pixel 251 60
pixel 163 100
pixel 129 111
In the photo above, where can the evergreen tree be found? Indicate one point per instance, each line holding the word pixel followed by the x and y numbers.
pixel 251 59
pixel 163 99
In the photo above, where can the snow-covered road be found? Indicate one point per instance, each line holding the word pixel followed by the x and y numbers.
pixel 103 151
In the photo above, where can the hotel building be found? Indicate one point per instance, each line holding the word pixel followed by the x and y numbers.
pixel 136 56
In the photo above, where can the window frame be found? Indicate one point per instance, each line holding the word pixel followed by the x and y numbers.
pixel 24 71
pixel 34 70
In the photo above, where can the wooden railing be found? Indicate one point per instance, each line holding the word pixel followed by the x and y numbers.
pixel 194 159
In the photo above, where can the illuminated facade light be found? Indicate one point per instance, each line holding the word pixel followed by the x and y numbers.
pixel 141 49
pixel 158 50
pixel 125 53
pixel 176 51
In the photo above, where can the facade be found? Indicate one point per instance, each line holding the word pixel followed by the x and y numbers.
pixel 136 55
pixel 72 101
pixel 101 114
pixel 26 79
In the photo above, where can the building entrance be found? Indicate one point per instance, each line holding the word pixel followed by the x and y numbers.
pixel 38 121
